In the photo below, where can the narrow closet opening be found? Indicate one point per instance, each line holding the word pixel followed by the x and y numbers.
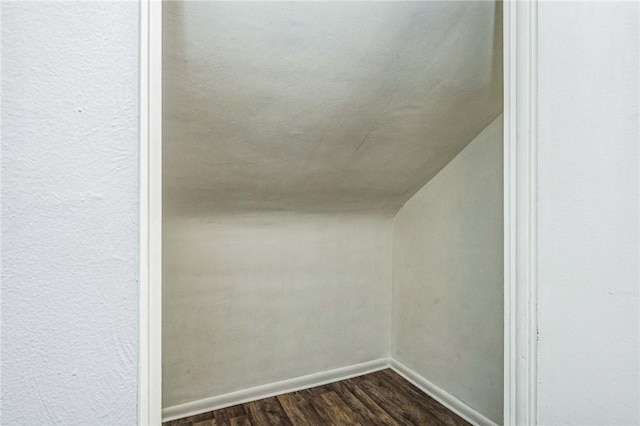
pixel 332 208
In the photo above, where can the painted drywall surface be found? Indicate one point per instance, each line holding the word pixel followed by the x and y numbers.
pixel 69 213
pixel 448 280
pixel 322 106
pixel 588 226
pixel 293 132
pixel 251 299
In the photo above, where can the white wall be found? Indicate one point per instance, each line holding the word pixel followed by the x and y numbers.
pixel 588 213
pixel 69 212
pixel 254 298
pixel 448 277
pixel 323 106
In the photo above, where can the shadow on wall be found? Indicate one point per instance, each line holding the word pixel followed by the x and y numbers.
pixel 322 107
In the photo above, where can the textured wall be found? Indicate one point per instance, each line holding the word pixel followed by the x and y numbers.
pixel 589 133
pixel 448 277
pixel 251 299
pixel 322 106
pixel 69 212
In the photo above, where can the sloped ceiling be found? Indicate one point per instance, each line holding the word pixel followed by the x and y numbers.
pixel 321 106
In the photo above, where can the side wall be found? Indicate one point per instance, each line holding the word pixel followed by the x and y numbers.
pixel 257 298
pixel 69 213
pixel 447 307
pixel 588 236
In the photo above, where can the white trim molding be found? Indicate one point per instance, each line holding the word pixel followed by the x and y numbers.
pixel 150 215
pixel 272 389
pixel 520 214
pixel 442 396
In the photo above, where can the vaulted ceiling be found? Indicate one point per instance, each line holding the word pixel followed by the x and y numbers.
pixel 321 106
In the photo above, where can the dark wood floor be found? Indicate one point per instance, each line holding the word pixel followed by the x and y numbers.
pixel 381 398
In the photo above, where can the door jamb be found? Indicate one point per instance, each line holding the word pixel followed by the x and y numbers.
pixel 150 215
pixel 520 211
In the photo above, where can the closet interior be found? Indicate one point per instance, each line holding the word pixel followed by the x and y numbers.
pixel 332 200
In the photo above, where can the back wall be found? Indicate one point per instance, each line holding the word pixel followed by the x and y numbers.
pixel 255 298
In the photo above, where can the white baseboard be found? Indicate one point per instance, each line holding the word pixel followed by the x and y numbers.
pixel 265 391
pixel 440 395
pixel 318 379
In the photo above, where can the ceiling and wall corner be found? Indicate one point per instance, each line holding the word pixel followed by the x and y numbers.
pixel 321 106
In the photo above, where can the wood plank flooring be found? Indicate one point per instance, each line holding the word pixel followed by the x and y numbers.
pixel 380 398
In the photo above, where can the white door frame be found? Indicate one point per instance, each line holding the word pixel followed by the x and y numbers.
pixel 150 219
pixel 520 211
pixel 520 221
